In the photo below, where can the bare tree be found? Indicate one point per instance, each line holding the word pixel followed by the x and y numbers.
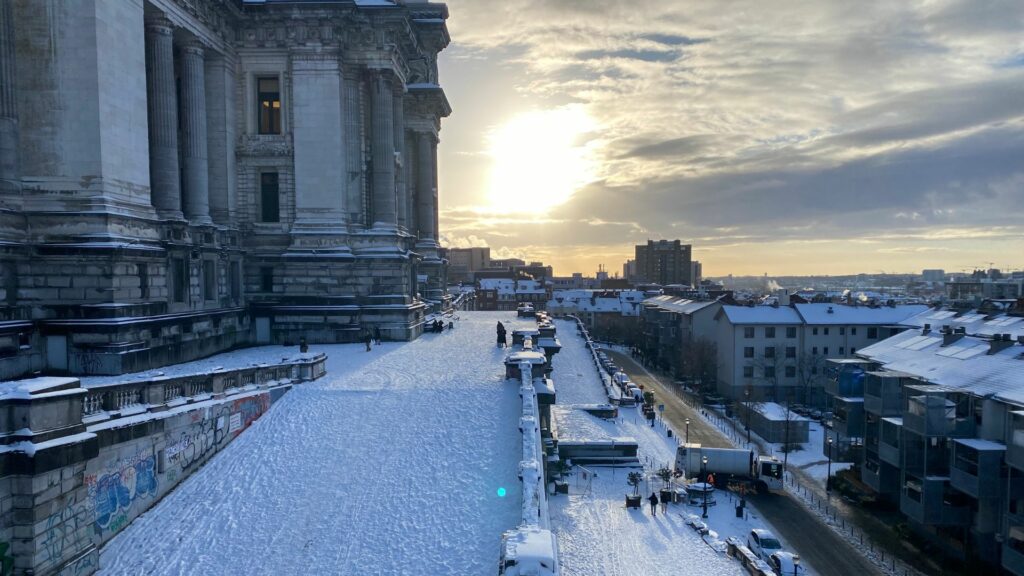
pixel 767 369
pixel 808 371
pixel 699 362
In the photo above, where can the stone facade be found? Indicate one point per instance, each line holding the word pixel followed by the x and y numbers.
pixel 180 177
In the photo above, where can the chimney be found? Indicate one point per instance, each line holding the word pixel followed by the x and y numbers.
pixel 998 344
pixel 1020 340
pixel 830 311
pixel 927 329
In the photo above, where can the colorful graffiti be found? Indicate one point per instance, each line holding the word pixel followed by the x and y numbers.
pixel 123 482
pixel 206 436
pixel 67 533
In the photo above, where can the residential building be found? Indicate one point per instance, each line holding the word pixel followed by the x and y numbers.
pixel 696 273
pixel 777 353
pixel 664 262
pixel 611 315
pixel 669 327
pixel 506 293
pixel 463 263
pixel 944 430
pixel 934 275
pixel 629 270
pixel 181 177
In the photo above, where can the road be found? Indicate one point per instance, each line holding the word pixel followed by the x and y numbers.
pixel 818 545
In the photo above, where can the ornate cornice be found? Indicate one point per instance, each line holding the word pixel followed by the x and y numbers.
pixel 264 145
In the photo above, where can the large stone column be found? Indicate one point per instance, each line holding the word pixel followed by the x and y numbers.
pixel 162 100
pixel 8 107
pixel 400 183
pixel 425 192
pixel 383 133
pixel 194 156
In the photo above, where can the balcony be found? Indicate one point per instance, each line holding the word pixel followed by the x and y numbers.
pixel 933 414
pixel 1015 440
pixel 931 502
pixel 976 467
pixel 889 442
pixel 1013 550
pixel 882 392
pixel 881 477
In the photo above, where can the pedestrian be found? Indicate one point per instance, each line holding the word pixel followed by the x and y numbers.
pixel 376 335
pixel 501 335
pixel 664 506
pixel 653 499
pixel 368 339
pixel 303 347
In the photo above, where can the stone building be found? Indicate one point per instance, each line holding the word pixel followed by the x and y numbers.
pixel 179 177
pixel 664 262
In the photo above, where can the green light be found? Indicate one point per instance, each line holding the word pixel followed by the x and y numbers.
pixel 501 492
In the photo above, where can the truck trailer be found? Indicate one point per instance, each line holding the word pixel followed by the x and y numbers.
pixel 765 472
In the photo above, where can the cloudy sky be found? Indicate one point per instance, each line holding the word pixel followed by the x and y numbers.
pixel 776 137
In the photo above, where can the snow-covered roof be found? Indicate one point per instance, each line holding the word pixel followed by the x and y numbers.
pixel 965 364
pixel 678 305
pixel 981 445
pixel 625 302
pixel 846 314
pixel 761 315
pixel 776 411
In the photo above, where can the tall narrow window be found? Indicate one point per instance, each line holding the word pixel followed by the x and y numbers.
pixel 270 206
pixel 143 270
pixel 179 278
pixel 209 280
pixel 269 96
pixel 266 279
pixel 236 280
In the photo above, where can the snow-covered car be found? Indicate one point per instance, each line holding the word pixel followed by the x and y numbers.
pixel 763 543
pixel 786 564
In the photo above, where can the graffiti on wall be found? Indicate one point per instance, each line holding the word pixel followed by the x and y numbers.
pixel 207 435
pixel 68 532
pixel 119 485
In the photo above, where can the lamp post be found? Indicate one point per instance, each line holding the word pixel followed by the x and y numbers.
pixel 746 393
pixel 828 475
pixel 687 430
pixel 703 470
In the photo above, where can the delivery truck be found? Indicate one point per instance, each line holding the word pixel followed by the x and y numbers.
pixel 730 464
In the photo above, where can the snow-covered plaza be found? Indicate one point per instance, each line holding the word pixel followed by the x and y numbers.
pixel 390 464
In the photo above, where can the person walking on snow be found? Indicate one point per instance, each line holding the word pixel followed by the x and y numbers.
pixel 376 335
pixel 368 339
pixel 653 499
pixel 501 335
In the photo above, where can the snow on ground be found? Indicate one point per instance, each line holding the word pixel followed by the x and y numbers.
pixel 596 533
pixel 390 464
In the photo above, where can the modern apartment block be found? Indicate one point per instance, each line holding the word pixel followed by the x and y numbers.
pixel 943 427
pixel 664 262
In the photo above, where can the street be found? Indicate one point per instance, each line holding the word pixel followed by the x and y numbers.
pixel 816 543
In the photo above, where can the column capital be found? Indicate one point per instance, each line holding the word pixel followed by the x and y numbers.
pixel 193 47
pixel 159 24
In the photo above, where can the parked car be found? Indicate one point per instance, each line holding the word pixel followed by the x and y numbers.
pixel 763 543
pixel 786 564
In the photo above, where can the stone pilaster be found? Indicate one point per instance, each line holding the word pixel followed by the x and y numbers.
pixel 425 189
pixel 8 107
pixel 194 152
pixel 161 96
pixel 383 146
pixel 220 129
pixel 400 159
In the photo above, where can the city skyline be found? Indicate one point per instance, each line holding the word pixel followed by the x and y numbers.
pixel 827 138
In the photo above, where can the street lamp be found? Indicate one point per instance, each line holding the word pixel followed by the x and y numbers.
pixel 703 470
pixel 747 394
pixel 687 430
pixel 828 475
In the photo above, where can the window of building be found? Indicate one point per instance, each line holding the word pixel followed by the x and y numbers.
pixel 769 352
pixel 748 332
pixel 10 282
pixel 179 279
pixel 748 371
pixel 814 330
pixel 748 352
pixel 769 332
pixel 853 330
pixel 235 275
pixel 209 280
pixel 814 351
pixel 769 371
pixel 790 371
pixel 266 279
pixel 826 331
pixel 841 351
pixel 270 199
pixel 790 351
pixel 873 333
pixel 269 96
pixel 842 330
pixel 853 351
pixel 814 369
pixel 142 270
pixel 791 332
pixel 824 351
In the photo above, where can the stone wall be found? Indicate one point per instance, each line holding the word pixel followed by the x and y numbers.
pixel 95 459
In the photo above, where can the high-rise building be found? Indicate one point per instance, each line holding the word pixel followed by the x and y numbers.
pixel 178 178
pixel 664 262
pixel 629 269
pixel 936 275
pixel 463 262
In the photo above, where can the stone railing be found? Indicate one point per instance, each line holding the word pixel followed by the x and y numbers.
pixel 162 392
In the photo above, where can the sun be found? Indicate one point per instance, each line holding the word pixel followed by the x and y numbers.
pixel 540 160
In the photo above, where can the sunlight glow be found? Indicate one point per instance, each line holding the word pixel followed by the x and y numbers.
pixel 540 158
